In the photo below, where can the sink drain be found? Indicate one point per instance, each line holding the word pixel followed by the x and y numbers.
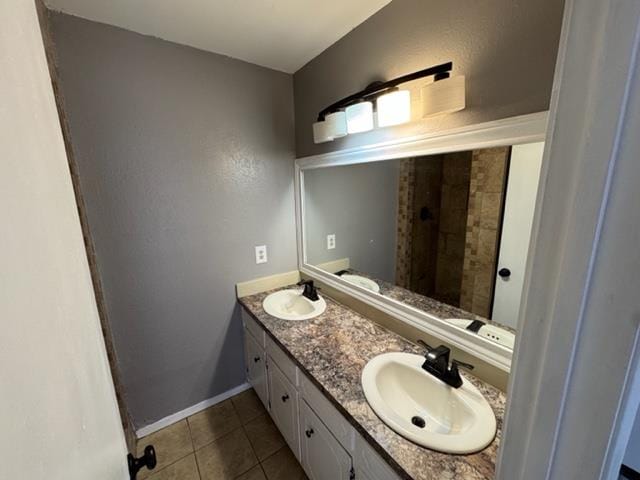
pixel 418 421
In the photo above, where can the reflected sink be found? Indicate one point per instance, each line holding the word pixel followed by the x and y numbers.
pixel 363 282
pixel 498 335
pixel 291 305
pixel 424 409
pixel 490 332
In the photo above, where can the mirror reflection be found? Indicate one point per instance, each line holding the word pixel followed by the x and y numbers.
pixel 447 234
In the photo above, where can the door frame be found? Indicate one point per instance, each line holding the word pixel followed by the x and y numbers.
pixel 575 383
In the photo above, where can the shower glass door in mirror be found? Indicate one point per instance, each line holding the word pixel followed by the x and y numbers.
pixel 447 234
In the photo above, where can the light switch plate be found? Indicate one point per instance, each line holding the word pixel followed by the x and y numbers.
pixel 261 254
pixel 331 241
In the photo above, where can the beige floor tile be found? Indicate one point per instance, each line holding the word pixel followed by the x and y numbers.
pixel 185 469
pixel 227 457
pixel 264 436
pixel 171 443
pixel 255 473
pixel 213 423
pixel 248 405
pixel 283 466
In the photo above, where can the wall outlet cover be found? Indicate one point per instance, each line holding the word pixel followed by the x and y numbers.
pixel 331 241
pixel 261 254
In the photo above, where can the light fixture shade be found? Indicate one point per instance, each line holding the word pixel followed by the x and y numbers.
pixel 360 117
pixel 336 124
pixel 321 132
pixel 394 108
pixel 443 96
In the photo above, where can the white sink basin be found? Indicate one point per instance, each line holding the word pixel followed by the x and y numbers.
pixel 291 305
pixel 361 282
pixel 424 409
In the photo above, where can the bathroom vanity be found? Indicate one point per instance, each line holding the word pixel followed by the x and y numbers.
pixel 308 375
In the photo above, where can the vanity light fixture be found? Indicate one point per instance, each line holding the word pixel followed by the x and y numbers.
pixel 359 117
pixel 444 96
pixel 334 126
pixel 392 106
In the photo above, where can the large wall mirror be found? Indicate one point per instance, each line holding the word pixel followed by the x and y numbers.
pixel 445 234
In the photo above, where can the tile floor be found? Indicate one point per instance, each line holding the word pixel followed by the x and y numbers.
pixel 235 439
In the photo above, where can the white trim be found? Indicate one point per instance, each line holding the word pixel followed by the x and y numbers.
pixel 187 412
pixel 510 131
pixel 572 383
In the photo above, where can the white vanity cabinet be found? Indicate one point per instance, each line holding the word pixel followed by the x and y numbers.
pixel 256 362
pixel 323 458
pixel 284 406
pixel 323 441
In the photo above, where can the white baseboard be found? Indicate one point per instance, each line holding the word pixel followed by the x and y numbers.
pixel 187 412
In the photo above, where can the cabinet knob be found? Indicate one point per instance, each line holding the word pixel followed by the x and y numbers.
pixel 256 359
pixel 285 397
pixel 309 432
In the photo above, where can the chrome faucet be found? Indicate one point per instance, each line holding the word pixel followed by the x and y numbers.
pixel 436 362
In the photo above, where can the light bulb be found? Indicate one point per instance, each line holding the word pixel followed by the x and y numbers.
pixel 359 117
pixel 394 108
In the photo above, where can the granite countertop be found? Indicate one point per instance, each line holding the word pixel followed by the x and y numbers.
pixel 333 348
pixel 427 304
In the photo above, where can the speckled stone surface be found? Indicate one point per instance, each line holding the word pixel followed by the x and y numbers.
pixel 427 304
pixel 332 349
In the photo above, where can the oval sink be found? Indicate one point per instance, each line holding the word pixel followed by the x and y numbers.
pixel 424 409
pixel 291 305
pixel 363 282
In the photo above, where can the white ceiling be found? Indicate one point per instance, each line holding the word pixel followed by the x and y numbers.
pixel 279 34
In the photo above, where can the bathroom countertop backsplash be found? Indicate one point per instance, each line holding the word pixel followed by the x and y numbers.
pixel 333 348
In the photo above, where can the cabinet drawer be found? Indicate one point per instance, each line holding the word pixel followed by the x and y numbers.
pixel 323 458
pixel 250 324
pixel 369 465
pixel 284 407
pixel 255 359
pixel 281 359
pixel 333 419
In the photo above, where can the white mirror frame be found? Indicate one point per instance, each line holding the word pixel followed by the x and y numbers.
pixel 511 131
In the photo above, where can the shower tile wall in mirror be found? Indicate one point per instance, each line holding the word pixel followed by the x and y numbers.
pixel 447 234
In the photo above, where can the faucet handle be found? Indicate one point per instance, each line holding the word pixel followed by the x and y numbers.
pixel 457 363
pixel 424 344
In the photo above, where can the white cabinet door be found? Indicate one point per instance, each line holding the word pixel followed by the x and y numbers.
pixel 284 406
pixel 323 458
pixel 255 359
pixel 369 465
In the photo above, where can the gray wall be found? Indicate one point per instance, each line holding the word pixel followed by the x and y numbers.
pixel 359 203
pixel 186 163
pixel 506 49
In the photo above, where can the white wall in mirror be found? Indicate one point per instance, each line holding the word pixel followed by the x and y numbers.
pixel 417 228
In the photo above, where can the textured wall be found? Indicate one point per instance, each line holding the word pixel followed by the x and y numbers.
pixel 358 203
pixel 484 224
pixel 506 49
pixel 186 163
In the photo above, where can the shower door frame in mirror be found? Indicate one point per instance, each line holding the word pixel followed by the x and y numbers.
pixel 506 132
